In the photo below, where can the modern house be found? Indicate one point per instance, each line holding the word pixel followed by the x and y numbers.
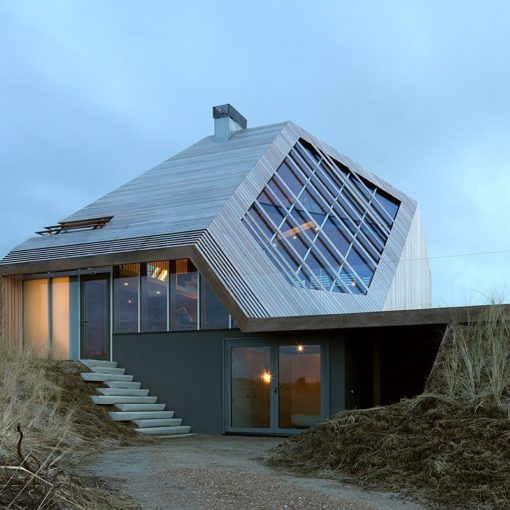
pixel 256 280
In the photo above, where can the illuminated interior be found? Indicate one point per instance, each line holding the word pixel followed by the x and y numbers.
pixel 322 225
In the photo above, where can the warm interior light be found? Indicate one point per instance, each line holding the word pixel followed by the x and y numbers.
pixel 300 348
pixel 162 275
pixel 266 377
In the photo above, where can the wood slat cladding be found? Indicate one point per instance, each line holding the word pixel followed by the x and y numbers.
pixel 267 284
pixel 101 248
pixel 11 295
pixel 195 202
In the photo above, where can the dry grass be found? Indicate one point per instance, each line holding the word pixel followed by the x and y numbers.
pixel 50 405
pixel 473 365
pixel 449 447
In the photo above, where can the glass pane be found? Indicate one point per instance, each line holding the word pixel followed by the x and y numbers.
pixel 95 330
pixel 60 310
pixel 35 315
pixel 337 235
pixel 390 205
pixel 275 214
pixel 261 221
pixel 290 178
pixel 279 191
pixel 183 295
pixel 250 387
pixel 308 151
pixel 125 298
pixel 299 386
pixel 154 296
pixel 363 268
pixel 212 313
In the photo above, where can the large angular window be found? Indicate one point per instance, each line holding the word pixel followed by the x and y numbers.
pixel 323 225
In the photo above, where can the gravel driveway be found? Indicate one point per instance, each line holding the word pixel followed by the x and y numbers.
pixel 223 473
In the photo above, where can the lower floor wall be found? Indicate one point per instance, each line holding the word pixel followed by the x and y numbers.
pixel 364 367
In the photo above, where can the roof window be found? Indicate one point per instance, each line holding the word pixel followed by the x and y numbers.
pixel 64 227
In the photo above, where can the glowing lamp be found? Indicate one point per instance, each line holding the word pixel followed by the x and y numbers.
pixel 266 377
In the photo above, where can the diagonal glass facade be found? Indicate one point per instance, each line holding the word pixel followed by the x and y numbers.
pixel 322 225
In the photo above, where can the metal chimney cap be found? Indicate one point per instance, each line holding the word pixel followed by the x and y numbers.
pixel 227 110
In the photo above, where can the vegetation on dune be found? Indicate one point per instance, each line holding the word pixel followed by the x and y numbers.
pixel 449 447
pixel 46 423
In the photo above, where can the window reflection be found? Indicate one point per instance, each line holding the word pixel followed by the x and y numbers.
pixel 125 298
pixel 154 296
pixel 183 295
pixel 212 313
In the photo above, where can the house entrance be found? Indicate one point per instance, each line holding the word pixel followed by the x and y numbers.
pixel 275 387
pixel 95 317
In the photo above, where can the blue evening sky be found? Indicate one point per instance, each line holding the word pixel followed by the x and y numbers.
pixel 92 93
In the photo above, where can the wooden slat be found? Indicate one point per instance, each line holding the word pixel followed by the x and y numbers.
pixel 11 324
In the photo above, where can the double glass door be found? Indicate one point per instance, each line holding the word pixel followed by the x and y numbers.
pixel 275 387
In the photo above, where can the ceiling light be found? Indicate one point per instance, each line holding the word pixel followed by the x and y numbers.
pixel 266 377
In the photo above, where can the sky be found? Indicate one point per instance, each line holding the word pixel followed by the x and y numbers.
pixel 93 93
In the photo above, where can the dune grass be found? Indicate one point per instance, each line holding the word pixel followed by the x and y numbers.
pixel 40 434
pixel 448 448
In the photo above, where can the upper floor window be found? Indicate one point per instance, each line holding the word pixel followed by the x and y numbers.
pixel 322 225
pixel 164 295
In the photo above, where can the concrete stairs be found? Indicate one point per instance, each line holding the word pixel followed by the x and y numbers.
pixel 131 403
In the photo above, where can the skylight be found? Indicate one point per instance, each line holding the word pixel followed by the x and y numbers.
pixel 322 225
pixel 72 226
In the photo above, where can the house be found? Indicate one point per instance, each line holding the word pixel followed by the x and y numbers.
pixel 257 280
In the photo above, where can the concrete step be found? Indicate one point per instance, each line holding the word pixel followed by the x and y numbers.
pixel 108 370
pixel 160 422
pixel 160 431
pixel 121 384
pixel 111 400
pixel 98 377
pixel 177 436
pixel 140 415
pixel 140 407
pixel 98 363
pixel 124 392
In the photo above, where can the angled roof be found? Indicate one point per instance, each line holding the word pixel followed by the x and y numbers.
pixel 182 194
pixel 193 205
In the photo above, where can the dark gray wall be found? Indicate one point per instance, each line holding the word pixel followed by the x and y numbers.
pixel 185 370
pixel 336 373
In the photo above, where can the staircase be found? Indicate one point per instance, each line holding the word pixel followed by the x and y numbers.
pixel 130 401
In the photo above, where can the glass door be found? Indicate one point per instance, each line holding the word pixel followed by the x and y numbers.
pixel 95 317
pixel 275 387
pixel 299 386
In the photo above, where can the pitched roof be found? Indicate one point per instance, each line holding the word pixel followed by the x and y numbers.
pixel 193 205
pixel 183 193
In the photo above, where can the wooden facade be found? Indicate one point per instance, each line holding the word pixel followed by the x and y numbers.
pixel 194 203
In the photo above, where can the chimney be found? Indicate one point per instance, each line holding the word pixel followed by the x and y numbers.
pixel 227 120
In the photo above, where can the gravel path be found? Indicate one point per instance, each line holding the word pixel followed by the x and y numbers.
pixel 223 473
